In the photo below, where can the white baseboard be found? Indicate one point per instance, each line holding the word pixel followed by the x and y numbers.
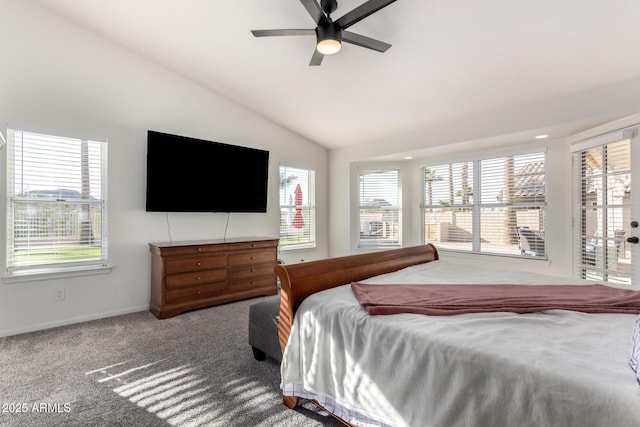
pixel 49 325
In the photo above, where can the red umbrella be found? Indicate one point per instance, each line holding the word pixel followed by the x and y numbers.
pixel 298 220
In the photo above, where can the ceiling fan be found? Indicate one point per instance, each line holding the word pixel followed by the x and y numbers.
pixel 329 33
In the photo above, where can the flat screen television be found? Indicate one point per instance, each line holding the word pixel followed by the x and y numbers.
pixel 194 175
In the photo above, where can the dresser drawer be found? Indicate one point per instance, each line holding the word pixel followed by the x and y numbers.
pixel 181 265
pixel 253 245
pixel 194 293
pixel 195 278
pixel 193 250
pixel 252 283
pixel 252 257
pixel 250 271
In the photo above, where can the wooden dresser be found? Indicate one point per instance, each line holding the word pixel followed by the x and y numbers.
pixel 196 274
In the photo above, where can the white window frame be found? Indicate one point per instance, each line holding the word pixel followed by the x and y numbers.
pixel 475 206
pixel 61 261
pixel 393 228
pixel 293 237
pixel 597 258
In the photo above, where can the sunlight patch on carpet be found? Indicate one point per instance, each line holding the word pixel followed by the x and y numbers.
pixel 181 395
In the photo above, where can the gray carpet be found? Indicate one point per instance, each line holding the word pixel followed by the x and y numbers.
pixel 196 369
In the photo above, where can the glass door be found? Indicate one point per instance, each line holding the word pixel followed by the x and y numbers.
pixel 632 239
pixel 606 211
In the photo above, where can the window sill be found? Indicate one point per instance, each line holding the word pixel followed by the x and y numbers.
pixel 492 254
pixel 33 276
pixel 297 247
pixel 379 247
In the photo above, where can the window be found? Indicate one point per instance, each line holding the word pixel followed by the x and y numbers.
pixel 602 180
pixel 297 208
pixel 56 211
pixel 379 207
pixel 494 206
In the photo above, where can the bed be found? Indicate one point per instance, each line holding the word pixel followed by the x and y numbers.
pixel 544 368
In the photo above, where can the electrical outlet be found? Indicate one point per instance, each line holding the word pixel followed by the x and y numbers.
pixel 58 294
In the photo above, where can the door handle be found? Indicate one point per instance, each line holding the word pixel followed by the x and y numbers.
pixel 632 239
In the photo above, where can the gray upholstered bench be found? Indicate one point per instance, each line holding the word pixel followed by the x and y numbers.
pixel 263 328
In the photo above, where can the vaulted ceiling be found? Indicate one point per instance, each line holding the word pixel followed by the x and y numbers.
pixel 448 59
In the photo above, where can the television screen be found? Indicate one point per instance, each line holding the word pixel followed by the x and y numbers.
pixel 193 175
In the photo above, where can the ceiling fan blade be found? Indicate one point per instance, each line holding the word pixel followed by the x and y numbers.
pixel 290 32
pixel 364 41
pixel 361 12
pixel 317 58
pixel 315 11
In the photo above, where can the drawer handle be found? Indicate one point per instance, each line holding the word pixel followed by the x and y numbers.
pixel 253 245
pixel 253 269
pixel 199 249
pixel 253 257
pixel 199 278
pixel 197 292
pixel 199 264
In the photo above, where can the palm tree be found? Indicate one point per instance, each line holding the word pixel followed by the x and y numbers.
pixel 429 177
pixel 465 194
pixel 451 193
pixel 465 191
pixel 284 182
pixel 86 232
pixel 510 219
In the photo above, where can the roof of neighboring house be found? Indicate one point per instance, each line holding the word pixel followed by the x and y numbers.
pixel 529 181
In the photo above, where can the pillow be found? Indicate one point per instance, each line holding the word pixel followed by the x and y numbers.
pixel 634 362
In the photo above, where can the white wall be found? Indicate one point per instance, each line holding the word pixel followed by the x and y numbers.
pixel 558 227
pixel 559 205
pixel 57 78
pixel 492 132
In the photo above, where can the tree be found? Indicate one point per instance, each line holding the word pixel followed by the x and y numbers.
pixel 430 176
pixel 466 194
pixel 508 192
pixel 284 182
pixel 86 230
pixel 451 192
pixel 465 184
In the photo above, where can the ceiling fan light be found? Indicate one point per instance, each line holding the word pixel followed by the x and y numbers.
pixel 329 46
pixel 329 38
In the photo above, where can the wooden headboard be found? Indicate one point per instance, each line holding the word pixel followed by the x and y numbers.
pixel 298 281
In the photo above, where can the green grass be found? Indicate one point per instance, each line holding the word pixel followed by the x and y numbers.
pixel 46 255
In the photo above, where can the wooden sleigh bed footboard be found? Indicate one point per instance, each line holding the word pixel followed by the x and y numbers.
pixel 298 281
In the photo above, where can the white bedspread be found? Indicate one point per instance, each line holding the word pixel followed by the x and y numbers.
pixel 552 368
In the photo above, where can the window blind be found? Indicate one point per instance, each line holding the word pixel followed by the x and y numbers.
pixel 448 209
pixel 602 182
pixel 379 207
pixel 513 205
pixel 492 205
pixel 56 211
pixel 297 207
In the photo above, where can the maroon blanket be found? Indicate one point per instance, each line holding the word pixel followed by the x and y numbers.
pixel 440 300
